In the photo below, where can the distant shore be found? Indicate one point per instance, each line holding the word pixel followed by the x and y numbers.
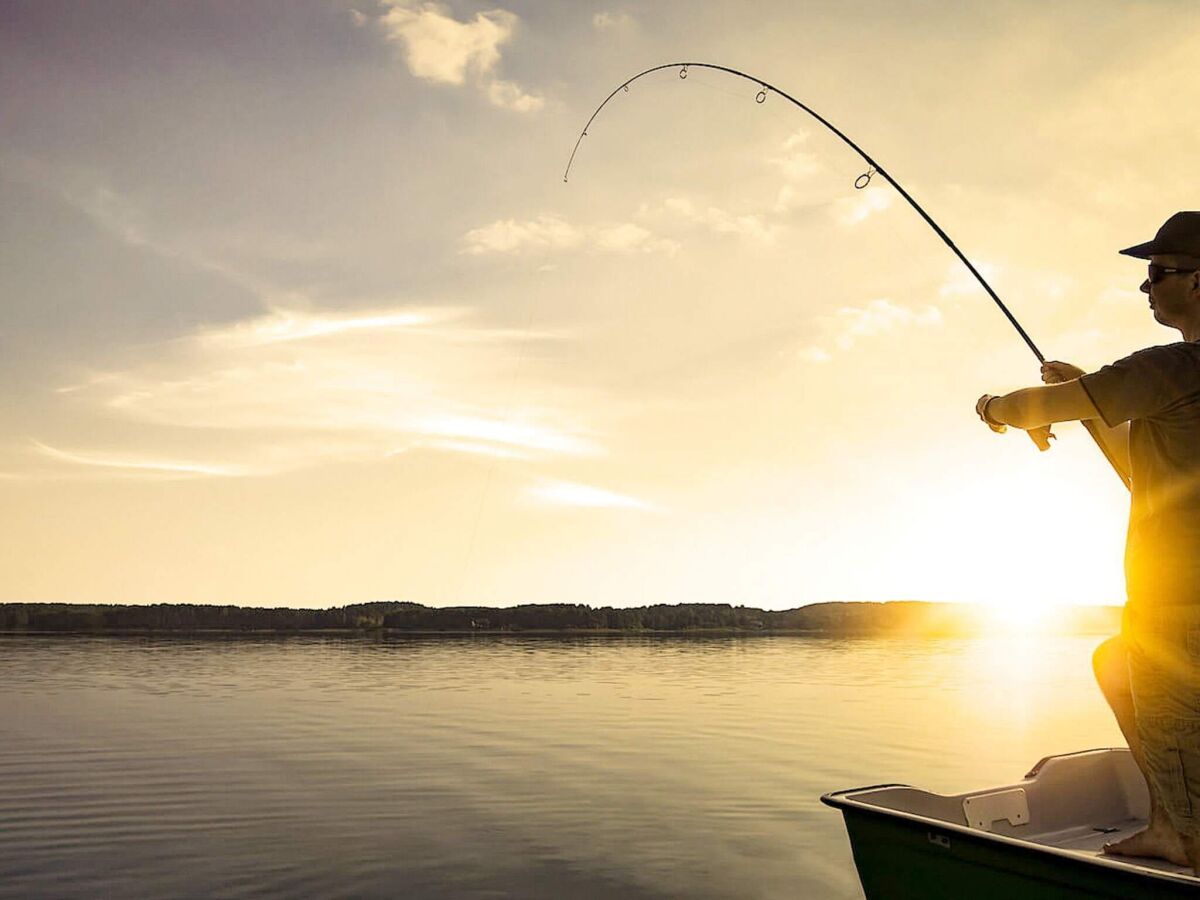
pixel 899 617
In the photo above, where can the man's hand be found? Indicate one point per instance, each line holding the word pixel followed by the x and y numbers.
pixel 1041 436
pixel 981 411
pixel 1055 372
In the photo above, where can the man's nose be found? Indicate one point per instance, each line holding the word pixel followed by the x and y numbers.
pixel 1145 288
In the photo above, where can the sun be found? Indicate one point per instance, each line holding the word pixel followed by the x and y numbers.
pixel 1028 543
pixel 1017 616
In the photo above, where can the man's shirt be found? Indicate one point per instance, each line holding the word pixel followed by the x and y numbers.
pixel 1157 391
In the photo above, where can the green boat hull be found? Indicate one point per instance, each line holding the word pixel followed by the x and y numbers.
pixel 898 859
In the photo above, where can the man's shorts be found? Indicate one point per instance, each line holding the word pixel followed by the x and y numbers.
pixel 1164 673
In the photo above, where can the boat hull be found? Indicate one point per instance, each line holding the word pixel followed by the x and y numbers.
pixel 901 860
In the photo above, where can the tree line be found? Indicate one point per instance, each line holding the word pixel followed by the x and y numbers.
pixel 896 617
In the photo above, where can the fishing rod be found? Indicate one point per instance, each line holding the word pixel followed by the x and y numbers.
pixel 873 168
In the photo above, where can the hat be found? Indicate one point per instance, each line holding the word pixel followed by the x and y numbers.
pixel 1180 235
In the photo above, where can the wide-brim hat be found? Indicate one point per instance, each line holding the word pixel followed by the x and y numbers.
pixel 1179 236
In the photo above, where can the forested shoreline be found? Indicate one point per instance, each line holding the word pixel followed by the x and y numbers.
pixel 895 617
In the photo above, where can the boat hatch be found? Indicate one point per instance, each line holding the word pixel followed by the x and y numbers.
pixel 983 809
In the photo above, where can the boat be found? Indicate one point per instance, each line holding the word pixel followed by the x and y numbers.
pixel 1040 837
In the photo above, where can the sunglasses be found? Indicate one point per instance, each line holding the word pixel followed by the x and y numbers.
pixel 1157 273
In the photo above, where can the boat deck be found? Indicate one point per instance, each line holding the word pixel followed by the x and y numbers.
pixel 1088 840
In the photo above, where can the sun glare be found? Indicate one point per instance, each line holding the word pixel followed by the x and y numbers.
pixel 1016 616
pixel 1002 544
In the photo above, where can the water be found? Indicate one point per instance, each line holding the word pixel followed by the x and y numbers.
pixel 497 766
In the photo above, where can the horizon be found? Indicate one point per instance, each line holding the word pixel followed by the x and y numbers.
pixel 298 309
pixel 962 603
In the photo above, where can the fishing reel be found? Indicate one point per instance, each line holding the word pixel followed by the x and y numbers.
pixel 1041 437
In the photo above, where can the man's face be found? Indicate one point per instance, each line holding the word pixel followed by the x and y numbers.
pixel 1175 297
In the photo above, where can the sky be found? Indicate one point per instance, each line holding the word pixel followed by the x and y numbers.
pixel 297 309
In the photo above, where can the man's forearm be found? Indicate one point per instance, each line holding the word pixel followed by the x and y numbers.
pixel 1037 406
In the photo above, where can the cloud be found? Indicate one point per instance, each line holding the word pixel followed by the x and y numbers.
pixel 507 95
pixel 475 448
pixel 569 493
pixel 546 232
pixel 851 211
pixel 795 163
pixel 116 215
pixel 159 467
pixel 879 316
pixel 282 325
pixel 960 282
pixel 439 48
pixel 493 432
pixel 291 389
pixel 814 355
pixel 550 232
pixel 606 20
pixel 751 227
pixel 788 199
pixel 850 324
pixel 631 238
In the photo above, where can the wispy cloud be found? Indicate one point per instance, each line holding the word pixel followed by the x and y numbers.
pixel 797 166
pixel 960 282
pixel 282 325
pixel 293 388
pixel 813 354
pixel 608 19
pixel 570 493
pixel 546 232
pixel 121 218
pixel 880 316
pixel 229 252
pixel 793 161
pixel 551 232
pixel 851 324
pixel 160 467
pixel 491 431
pixel 630 238
pixel 441 49
pixel 475 448
pixel 851 211
pixel 682 209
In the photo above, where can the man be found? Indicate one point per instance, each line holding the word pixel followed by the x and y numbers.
pixel 1146 410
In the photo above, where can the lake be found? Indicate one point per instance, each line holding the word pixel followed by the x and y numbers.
pixel 498 766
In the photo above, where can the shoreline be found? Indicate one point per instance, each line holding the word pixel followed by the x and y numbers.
pixel 902 618
pixel 533 632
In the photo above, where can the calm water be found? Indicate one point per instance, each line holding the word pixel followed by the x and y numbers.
pixel 497 767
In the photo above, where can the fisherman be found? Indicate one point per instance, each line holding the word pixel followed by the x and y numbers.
pixel 1145 410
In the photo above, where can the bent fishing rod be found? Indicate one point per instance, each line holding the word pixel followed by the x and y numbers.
pixel 873 168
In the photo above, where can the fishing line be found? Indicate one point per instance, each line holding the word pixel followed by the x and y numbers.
pixel 767 92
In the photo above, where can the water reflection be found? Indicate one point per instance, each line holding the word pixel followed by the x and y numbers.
pixel 497 766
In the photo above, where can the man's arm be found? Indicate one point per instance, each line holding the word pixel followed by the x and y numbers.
pixel 1037 406
pixel 1068 402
